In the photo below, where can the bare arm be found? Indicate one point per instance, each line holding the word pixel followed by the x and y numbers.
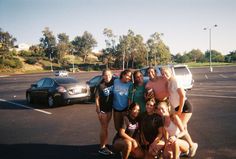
pixel 181 100
pixel 97 104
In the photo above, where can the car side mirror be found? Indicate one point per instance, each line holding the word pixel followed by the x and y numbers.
pixel 34 85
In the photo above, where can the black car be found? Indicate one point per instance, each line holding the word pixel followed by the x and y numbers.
pixel 94 82
pixel 59 90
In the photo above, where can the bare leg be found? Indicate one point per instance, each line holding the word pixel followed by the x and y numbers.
pixel 118 118
pixel 104 121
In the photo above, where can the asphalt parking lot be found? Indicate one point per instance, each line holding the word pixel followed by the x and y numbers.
pixel 71 132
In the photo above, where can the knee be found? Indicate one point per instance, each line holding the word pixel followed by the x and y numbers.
pixel 128 145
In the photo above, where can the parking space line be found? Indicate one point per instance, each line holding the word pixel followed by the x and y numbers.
pixel 223 76
pixel 212 96
pixel 24 106
pixel 214 90
pixel 206 77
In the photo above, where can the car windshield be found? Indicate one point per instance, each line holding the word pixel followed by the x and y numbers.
pixel 181 71
pixel 66 80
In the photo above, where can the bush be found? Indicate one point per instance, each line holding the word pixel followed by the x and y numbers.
pixel 12 63
pixel 25 53
pixel 31 60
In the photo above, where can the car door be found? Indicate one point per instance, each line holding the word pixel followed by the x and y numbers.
pixel 93 83
pixel 47 88
pixel 35 91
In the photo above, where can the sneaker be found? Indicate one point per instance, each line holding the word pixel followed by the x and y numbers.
pixel 105 151
pixel 184 154
pixel 193 150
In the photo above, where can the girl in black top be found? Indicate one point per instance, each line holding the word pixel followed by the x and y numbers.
pixel 151 126
pixel 104 99
pixel 126 139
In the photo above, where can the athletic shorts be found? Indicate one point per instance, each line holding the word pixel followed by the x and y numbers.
pixel 188 108
pixel 105 109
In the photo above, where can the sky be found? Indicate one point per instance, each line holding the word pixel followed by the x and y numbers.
pixel 181 21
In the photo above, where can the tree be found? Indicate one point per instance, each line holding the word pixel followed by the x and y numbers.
pixel 158 53
pixel 196 55
pixel 48 43
pixel 63 46
pixel 231 57
pixel 110 49
pixel 6 43
pixel 83 44
pixel 215 56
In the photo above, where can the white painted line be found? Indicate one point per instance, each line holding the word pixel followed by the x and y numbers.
pixel 212 96
pixel 211 90
pixel 206 77
pixel 4 75
pixel 223 76
pixel 24 106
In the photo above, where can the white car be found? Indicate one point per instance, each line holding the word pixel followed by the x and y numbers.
pixel 62 73
pixel 181 73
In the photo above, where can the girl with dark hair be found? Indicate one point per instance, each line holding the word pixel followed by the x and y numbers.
pixel 125 140
pixel 151 131
pixel 120 100
pixel 137 90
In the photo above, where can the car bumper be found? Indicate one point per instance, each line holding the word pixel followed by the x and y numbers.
pixel 66 98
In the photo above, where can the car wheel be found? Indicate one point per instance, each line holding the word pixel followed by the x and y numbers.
pixel 51 101
pixel 29 98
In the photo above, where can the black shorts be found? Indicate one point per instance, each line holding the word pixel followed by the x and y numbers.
pixel 188 108
pixel 105 109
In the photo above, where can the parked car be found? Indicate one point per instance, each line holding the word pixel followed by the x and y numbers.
pixel 59 90
pixel 94 82
pixel 62 73
pixel 181 73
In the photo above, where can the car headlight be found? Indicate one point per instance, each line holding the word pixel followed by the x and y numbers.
pixel 61 89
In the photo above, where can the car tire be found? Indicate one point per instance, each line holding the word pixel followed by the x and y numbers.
pixel 51 101
pixel 29 98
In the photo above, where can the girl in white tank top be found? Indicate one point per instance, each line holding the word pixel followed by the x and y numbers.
pixel 174 131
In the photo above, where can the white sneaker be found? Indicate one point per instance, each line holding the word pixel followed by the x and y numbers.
pixel 192 150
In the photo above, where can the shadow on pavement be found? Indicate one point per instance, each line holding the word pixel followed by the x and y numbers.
pixel 46 151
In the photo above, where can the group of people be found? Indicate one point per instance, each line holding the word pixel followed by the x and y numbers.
pixel 150 118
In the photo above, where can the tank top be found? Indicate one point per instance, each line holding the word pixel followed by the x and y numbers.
pixel 172 129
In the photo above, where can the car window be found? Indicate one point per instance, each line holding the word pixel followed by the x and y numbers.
pixel 66 80
pixel 95 80
pixel 144 72
pixel 47 82
pixel 40 83
pixel 181 71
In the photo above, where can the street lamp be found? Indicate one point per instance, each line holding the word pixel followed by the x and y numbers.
pixel 51 62
pixel 73 64
pixel 209 28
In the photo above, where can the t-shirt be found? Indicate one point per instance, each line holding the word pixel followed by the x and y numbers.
pixel 173 85
pixel 105 93
pixel 131 126
pixel 136 94
pixel 149 126
pixel 120 91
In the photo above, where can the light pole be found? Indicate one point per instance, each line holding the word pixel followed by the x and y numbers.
pixel 210 61
pixel 51 62
pixel 73 64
